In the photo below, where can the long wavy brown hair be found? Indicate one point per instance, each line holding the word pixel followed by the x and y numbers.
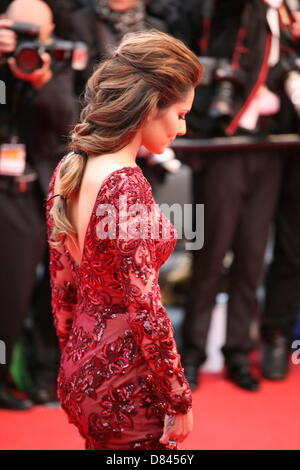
pixel 148 69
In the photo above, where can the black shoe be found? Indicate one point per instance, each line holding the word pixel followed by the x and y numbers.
pixel 9 401
pixel 275 358
pixel 192 375
pixel 42 391
pixel 241 376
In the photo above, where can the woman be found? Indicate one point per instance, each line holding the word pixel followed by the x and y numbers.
pixel 121 381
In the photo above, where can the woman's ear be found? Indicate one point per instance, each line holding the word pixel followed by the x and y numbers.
pixel 152 115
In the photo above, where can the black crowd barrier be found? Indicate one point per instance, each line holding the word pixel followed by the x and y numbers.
pixel 236 143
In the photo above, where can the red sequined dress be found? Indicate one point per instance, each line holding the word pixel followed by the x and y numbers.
pixel 120 371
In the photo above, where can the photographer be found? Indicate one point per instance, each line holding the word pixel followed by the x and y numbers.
pixel 283 279
pixel 239 189
pixel 39 112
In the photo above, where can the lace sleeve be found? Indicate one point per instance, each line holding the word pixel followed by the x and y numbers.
pixel 136 272
pixel 63 290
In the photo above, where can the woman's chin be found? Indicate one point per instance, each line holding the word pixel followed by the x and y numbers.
pixel 160 149
pixel 157 150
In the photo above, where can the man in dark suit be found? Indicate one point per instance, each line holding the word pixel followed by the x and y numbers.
pixel 283 280
pixel 39 112
pixel 101 24
pixel 239 189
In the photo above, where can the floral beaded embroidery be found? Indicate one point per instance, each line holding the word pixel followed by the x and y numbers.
pixel 119 366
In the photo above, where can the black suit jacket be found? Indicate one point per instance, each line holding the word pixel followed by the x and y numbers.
pixel 42 120
pixel 238 30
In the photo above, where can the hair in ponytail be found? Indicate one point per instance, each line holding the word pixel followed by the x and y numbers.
pixel 70 175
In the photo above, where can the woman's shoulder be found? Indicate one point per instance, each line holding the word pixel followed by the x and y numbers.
pixel 121 181
pixel 127 180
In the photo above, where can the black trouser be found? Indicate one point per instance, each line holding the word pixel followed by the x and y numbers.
pixel 239 193
pixel 22 245
pixel 42 349
pixel 283 280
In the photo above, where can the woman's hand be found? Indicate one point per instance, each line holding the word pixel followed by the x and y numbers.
pixel 177 427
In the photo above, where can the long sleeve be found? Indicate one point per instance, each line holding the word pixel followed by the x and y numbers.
pixel 135 271
pixel 150 323
pixel 64 292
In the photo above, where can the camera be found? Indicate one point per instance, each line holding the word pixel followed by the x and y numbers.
pixel 219 71
pixel 29 50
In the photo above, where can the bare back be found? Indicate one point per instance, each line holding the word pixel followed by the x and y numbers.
pixel 80 207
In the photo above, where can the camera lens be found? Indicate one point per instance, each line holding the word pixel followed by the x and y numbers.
pixel 28 60
pixel 222 104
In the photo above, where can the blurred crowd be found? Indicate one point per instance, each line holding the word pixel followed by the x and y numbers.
pixel 251 87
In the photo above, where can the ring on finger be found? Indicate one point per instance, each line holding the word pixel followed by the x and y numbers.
pixel 172 443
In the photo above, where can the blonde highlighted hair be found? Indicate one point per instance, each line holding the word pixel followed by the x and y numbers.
pixel 149 69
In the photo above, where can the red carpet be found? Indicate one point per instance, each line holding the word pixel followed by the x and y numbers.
pixel 224 418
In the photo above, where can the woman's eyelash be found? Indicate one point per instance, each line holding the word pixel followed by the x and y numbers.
pixel 182 117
